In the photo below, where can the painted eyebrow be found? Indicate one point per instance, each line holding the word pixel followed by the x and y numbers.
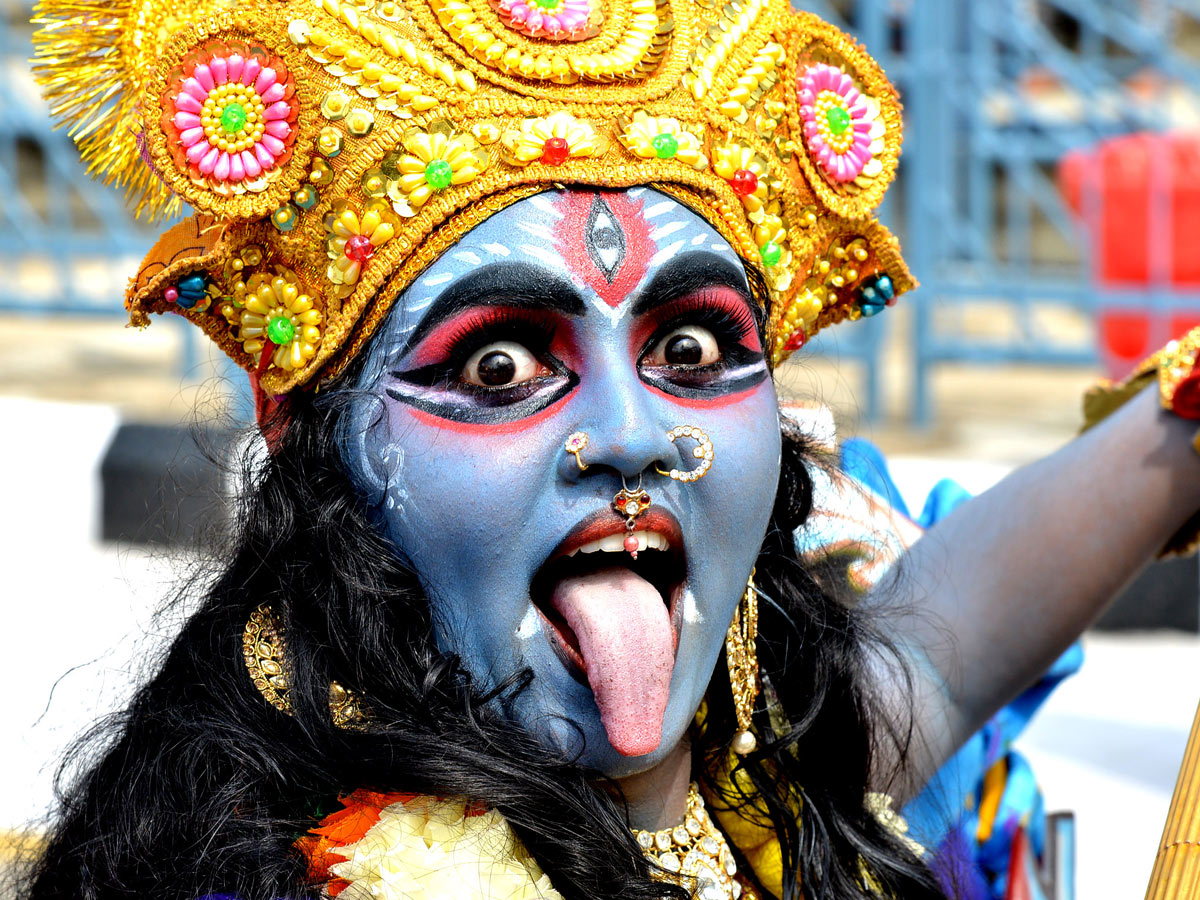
pixel 513 284
pixel 690 272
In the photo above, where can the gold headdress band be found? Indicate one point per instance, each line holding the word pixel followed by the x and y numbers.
pixel 332 149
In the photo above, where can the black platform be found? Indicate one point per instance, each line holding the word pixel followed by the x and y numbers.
pixel 159 486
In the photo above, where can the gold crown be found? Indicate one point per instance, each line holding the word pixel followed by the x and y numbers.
pixel 332 149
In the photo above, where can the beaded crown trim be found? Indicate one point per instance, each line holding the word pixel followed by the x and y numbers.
pixel 332 149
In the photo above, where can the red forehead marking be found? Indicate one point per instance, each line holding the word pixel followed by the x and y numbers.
pixel 576 231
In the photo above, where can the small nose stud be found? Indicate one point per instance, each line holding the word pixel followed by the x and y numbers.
pixel 575 445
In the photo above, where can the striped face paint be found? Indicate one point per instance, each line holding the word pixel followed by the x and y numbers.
pixel 621 314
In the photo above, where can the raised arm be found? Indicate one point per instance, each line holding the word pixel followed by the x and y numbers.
pixel 989 597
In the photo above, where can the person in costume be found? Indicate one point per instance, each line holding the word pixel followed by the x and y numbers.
pixel 514 607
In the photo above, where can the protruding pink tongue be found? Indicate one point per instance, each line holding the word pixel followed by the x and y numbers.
pixel 625 637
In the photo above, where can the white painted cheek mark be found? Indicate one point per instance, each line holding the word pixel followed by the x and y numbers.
pixel 496 249
pixel 699 239
pixel 468 257
pixel 691 612
pixel 664 254
pixel 722 248
pixel 530 626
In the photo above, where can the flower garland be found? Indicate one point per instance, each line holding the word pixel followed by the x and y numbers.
pixel 415 847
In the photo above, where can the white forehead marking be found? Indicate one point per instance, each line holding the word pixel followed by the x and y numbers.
pixel 496 249
pixel 636 191
pixel 545 254
pixel 530 624
pixel 666 229
pixel 613 314
pixel 468 257
pixel 435 280
pixel 699 239
pixel 537 229
pixel 665 253
pixel 609 255
pixel 545 204
pixel 659 208
pixel 417 307
pixel 724 248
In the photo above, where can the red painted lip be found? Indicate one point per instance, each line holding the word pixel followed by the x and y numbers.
pixel 602 523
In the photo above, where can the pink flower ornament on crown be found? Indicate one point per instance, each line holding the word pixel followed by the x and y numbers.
pixel 235 119
pixel 555 20
pixel 841 125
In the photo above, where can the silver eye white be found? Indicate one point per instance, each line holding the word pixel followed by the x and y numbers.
pixel 689 345
pixel 501 363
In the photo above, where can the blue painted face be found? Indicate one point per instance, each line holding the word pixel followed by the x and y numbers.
pixel 621 315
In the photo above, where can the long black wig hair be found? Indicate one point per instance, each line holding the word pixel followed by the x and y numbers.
pixel 200 787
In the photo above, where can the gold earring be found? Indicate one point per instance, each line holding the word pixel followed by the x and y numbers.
pixel 741 654
pixel 703 451
pixel 575 445
pixel 263 651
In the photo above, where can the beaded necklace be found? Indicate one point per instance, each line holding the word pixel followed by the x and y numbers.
pixel 696 854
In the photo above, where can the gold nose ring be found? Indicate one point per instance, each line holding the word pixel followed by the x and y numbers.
pixel 575 445
pixel 703 451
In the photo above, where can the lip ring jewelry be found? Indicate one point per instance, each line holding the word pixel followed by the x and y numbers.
pixel 631 503
pixel 576 444
pixel 703 451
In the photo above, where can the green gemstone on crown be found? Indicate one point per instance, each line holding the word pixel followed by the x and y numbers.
pixel 281 330
pixel 665 145
pixel 233 118
pixel 838 118
pixel 438 174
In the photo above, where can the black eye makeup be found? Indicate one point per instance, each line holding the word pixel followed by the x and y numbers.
pixel 492 365
pixel 705 344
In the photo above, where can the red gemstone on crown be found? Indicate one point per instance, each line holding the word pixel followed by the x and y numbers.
pixel 744 182
pixel 359 248
pixel 555 151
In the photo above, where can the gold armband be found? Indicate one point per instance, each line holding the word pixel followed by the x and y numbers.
pixel 1174 368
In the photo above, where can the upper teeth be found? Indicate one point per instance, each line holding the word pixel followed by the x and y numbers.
pixel 615 543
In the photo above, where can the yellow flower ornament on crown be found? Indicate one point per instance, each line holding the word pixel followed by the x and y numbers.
pixel 332 149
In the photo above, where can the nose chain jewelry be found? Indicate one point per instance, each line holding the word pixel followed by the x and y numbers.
pixel 631 503
pixel 696 854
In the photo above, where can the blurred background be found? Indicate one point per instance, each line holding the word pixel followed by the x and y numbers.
pixel 1049 201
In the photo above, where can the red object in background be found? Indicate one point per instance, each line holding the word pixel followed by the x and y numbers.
pixel 1112 189
pixel 1022 870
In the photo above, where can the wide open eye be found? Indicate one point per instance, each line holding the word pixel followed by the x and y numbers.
pixel 689 345
pixel 502 364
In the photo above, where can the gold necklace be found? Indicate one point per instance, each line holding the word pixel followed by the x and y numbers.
pixel 695 853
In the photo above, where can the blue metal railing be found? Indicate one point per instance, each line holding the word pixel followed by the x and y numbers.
pixel 67 243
